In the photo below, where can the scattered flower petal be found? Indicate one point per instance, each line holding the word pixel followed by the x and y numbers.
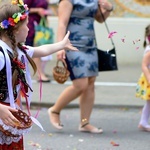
pixel 34 144
pixel 123 40
pixel 113 143
pixel 50 134
pixel 81 140
pixel 114 131
pixel 111 34
pixel 138 40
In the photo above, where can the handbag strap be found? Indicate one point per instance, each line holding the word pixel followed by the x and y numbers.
pixel 106 26
pixel 43 21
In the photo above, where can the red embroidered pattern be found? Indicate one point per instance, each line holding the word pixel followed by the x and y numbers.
pixel 13 146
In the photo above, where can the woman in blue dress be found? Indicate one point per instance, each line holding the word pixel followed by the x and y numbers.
pixel 78 17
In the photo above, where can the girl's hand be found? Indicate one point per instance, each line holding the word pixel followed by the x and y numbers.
pixel 67 44
pixel 105 5
pixel 7 117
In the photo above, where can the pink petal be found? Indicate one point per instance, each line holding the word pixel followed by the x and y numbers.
pixel 111 34
pixel 123 40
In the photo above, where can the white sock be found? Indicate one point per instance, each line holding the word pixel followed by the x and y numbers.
pixel 145 115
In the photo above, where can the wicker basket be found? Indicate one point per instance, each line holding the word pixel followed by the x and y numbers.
pixel 60 73
pixel 24 126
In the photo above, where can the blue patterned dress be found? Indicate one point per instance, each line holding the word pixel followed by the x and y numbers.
pixel 81 26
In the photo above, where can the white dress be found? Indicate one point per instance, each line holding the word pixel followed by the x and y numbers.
pixel 10 99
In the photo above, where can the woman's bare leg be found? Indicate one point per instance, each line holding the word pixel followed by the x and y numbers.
pixel 68 95
pixel 86 106
pixel 87 100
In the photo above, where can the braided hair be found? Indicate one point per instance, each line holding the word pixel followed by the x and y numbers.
pixel 6 11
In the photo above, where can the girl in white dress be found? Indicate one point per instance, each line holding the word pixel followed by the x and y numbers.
pixel 15 76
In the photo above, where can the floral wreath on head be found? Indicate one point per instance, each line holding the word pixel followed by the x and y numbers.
pixel 16 17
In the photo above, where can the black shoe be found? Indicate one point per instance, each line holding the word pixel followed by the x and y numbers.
pixel 44 81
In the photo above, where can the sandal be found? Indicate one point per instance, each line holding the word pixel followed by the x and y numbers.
pixel 57 125
pixel 94 130
pixel 44 81
pixel 47 75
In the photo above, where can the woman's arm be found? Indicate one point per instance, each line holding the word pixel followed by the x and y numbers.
pixel 48 49
pixel 38 10
pixel 64 12
pixel 106 8
pixel 29 3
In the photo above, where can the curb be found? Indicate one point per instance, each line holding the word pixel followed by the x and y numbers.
pixel 105 106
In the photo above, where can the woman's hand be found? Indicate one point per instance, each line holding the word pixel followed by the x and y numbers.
pixel 61 55
pixel 7 117
pixel 41 12
pixel 105 5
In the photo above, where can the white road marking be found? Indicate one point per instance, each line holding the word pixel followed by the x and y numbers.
pixel 98 83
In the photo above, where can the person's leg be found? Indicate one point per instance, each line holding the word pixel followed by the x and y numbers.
pixel 145 116
pixel 44 61
pixel 87 100
pixel 40 72
pixel 86 106
pixel 69 94
pixel 43 66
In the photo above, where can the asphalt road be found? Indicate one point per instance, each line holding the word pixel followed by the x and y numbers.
pixel 119 125
pixel 116 110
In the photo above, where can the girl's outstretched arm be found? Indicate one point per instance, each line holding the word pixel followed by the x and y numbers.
pixel 48 49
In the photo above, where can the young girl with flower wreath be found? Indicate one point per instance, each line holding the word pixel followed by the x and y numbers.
pixel 15 75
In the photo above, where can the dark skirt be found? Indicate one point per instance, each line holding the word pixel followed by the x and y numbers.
pixel 83 63
pixel 13 146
